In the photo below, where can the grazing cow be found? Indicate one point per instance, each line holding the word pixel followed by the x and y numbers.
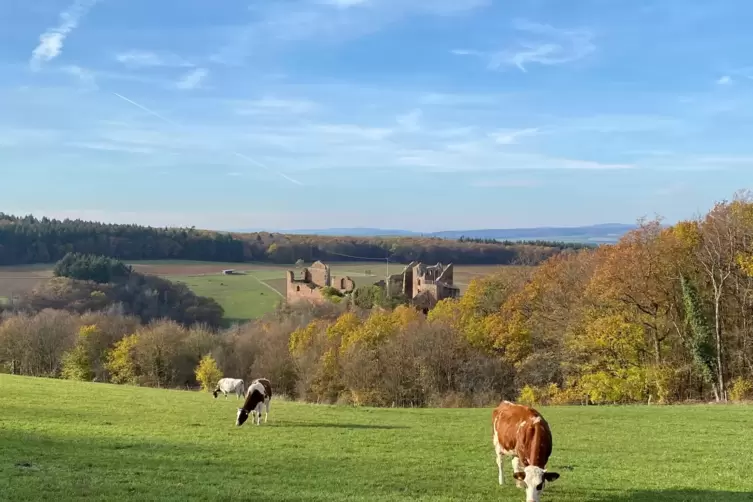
pixel 230 385
pixel 259 394
pixel 522 433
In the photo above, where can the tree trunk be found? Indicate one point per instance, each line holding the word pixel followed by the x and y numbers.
pixel 717 398
pixel 719 367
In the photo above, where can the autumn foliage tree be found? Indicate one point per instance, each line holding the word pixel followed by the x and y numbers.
pixel 208 373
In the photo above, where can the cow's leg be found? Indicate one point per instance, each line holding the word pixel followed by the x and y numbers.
pixel 517 466
pixel 266 415
pixel 499 467
pixel 498 451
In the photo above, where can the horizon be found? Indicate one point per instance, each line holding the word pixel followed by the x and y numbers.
pixel 425 116
pixel 120 221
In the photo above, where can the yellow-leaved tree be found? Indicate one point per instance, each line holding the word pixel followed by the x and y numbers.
pixel 208 373
pixel 377 328
pixel 121 361
pixel 614 358
pixel 76 362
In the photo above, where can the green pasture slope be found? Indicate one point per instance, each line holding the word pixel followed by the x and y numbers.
pixel 64 441
pixel 244 297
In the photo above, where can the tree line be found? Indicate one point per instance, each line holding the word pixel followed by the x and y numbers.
pixel 526 242
pixel 27 240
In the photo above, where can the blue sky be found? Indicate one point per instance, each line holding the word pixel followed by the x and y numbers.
pixel 420 114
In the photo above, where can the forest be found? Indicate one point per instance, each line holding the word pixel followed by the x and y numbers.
pixel 663 316
pixel 27 240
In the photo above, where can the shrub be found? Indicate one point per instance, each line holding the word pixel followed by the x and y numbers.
pixel 207 373
pixel 530 396
pixel 330 293
pixel 741 389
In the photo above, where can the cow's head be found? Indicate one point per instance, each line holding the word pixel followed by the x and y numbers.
pixel 534 479
pixel 241 417
pixel 215 393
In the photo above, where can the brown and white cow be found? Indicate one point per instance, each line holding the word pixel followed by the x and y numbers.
pixel 522 433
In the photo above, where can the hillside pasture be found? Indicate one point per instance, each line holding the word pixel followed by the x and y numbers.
pixel 251 293
pixel 70 441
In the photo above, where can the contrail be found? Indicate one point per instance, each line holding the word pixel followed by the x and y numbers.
pixel 249 159
pixel 147 110
pixel 239 155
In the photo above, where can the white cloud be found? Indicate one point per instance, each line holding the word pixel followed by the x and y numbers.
pixel 724 80
pixel 84 76
pixel 344 4
pixel 193 79
pixel 278 23
pixel 17 137
pixel 510 137
pixel 411 121
pixel 142 59
pixel 464 52
pixel 109 147
pixel 546 46
pixel 270 104
pixel 588 164
pixel 556 46
pixel 448 99
pixel 479 156
pixel 346 132
pixel 51 42
pixel 620 123
pixel 726 159
pixel 505 183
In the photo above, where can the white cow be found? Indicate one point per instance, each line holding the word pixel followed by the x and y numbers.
pixel 230 385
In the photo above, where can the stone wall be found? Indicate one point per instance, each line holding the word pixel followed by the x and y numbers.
pixel 320 274
pixel 297 290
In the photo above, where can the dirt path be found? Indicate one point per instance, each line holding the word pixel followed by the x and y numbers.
pixel 265 284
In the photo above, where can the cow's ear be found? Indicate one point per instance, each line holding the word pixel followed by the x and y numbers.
pixel 520 476
pixel 551 476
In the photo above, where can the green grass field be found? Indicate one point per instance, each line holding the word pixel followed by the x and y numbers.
pixel 66 441
pixel 243 297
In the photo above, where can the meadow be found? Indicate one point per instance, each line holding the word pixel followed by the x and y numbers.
pixel 63 440
pixel 245 296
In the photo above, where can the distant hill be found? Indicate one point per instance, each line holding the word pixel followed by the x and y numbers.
pixel 594 234
pixel 607 232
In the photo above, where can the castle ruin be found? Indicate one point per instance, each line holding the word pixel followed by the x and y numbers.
pixel 424 285
pixel 310 282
